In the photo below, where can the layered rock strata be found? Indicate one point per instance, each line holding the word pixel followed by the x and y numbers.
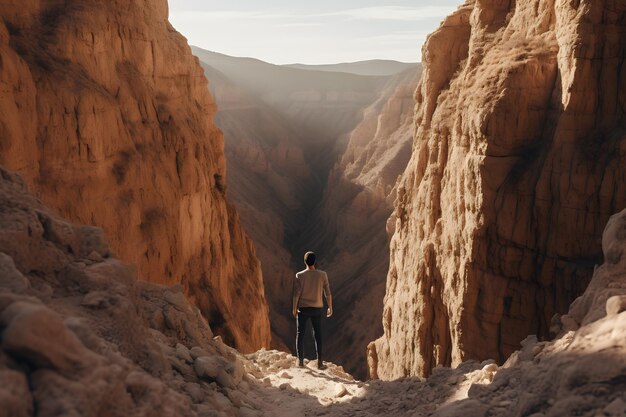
pixel 107 115
pixel 518 161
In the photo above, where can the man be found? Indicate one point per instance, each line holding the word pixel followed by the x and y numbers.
pixel 308 288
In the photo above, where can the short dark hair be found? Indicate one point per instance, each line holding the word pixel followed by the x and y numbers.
pixel 309 258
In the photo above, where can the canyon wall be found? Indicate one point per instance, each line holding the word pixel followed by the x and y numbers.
pixel 107 114
pixel 81 336
pixel 518 162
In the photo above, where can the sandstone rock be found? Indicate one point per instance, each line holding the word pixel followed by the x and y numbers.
pixel 248 412
pixel 197 352
pixel 38 336
pixel 98 300
pixel 81 360
pixel 108 117
pixel 606 283
pixel 615 305
pixel 10 278
pixel 15 395
pixel 517 165
pixel 183 353
pixel 225 379
pixel 195 391
pixel 237 370
pixel 616 408
pixel 209 366
pixel 340 390
pixel 221 402
pixel 205 410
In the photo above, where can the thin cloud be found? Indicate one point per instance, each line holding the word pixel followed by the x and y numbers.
pixel 395 37
pixel 229 15
pixel 299 24
pixel 394 13
pixel 398 13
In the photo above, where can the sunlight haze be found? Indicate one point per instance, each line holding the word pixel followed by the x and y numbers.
pixel 321 32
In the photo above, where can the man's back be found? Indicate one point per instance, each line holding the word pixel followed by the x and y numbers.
pixel 310 284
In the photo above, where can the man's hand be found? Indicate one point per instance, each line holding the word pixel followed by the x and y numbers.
pixel 295 313
pixel 329 312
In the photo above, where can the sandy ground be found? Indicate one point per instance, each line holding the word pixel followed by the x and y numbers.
pixel 280 388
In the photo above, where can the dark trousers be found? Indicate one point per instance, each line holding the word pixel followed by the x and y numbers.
pixel 315 315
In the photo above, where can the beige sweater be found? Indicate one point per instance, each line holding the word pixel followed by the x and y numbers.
pixel 308 288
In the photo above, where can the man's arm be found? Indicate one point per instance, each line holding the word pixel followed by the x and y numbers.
pixel 329 297
pixel 297 293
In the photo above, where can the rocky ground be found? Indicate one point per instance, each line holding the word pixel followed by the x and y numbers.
pixel 80 336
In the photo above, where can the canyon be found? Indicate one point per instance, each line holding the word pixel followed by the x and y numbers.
pixel 313 158
pixel 128 286
pixel 517 164
pixel 108 117
pixel 81 336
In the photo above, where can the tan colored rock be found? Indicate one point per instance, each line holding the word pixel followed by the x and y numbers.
pixel 97 341
pixel 38 336
pixel 10 278
pixel 209 366
pixel 517 165
pixel 107 115
pixel 615 305
pixel 14 394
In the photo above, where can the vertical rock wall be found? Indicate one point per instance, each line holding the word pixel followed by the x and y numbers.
pixel 518 161
pixel 107 114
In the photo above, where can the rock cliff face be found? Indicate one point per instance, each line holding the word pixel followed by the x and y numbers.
pixel 518 161
pixel 107 115
pixel 81 336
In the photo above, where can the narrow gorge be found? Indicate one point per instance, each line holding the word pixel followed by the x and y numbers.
pixel 313 158
pixel 156 200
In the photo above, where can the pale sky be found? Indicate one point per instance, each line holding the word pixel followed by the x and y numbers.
pixel 311 32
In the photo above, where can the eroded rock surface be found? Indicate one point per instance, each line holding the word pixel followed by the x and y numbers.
pixel 107 115
pixel 518 161
pixel 80 336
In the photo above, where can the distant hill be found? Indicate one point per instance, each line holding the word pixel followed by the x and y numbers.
pixel 374 67
pixel 324 104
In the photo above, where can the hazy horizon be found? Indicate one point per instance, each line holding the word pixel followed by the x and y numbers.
pixel 324 32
